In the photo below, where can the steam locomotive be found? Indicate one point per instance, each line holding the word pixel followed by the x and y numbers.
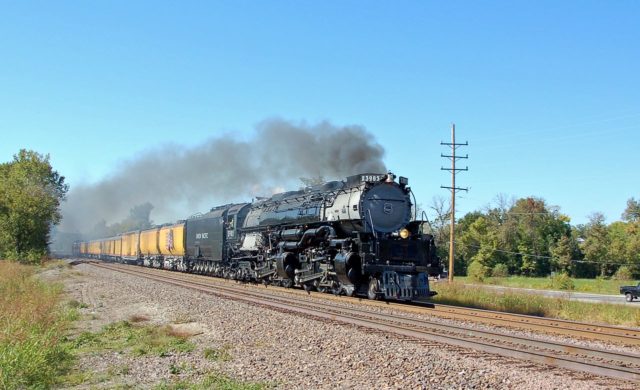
pixel 356 236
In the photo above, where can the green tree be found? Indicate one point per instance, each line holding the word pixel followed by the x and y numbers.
pixel 530 265
pixel 440 226
pixel 618 235
pixel 624 244
pixel 479 243
pixel 562 252
pixel 538 228
pixel 631 236
pixel 581 269
pixel 632 212
pixel 633 246
pixel 30 195
pixel 468 237
pixel 597 243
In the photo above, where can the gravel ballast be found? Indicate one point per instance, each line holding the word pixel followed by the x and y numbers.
pixel 283 350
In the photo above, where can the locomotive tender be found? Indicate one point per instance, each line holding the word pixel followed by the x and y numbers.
pixel 355 236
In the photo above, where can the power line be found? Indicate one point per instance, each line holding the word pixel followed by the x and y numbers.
pixel 532 213
pixel 549 257
pixel 554 129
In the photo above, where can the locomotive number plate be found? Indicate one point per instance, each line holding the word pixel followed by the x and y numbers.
pixel 371 178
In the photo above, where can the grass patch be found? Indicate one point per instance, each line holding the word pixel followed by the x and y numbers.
pixel 125 337
pixel 77 378
pixel 176 369
pixel 459 294
pixel 119 370
pixel 77 304
pixel 213 381
pixel 88 377
pixel 218 354
pixel 33 324
pixel 55 264
pixel 596 286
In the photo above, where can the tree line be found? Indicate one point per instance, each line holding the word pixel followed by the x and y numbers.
pixel 528 237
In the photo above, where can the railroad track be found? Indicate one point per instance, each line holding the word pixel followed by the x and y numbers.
pixel 568 356
pixel 616 334
pixel 582 330
pixel 600 332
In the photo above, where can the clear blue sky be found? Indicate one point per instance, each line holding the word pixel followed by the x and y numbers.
pixel 547 93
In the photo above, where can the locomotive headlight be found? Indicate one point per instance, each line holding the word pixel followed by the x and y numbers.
pixel 404 233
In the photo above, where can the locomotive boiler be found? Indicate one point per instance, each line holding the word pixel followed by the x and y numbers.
pixel 356 236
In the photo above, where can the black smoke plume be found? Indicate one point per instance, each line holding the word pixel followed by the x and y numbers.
pixel 177 181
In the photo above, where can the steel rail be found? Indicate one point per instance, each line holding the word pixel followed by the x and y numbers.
pixel 410 329
pixel 608 333
pixel 625 358
pixel 575 328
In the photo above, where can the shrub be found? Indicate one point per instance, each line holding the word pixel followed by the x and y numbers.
pixel 29 257
pixel 623 273
pixel 561 282
pixel 477 272
pixel 500 271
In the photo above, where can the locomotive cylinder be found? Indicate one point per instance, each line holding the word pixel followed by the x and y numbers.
pixel 291 234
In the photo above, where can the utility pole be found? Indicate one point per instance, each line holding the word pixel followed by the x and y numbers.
pixel 453 190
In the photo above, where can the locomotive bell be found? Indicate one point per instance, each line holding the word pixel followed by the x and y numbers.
pixel 390 177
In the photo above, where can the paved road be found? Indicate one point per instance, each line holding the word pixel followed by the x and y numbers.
pixel 586 297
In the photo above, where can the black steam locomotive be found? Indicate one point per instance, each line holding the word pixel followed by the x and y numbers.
pixel 356 236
